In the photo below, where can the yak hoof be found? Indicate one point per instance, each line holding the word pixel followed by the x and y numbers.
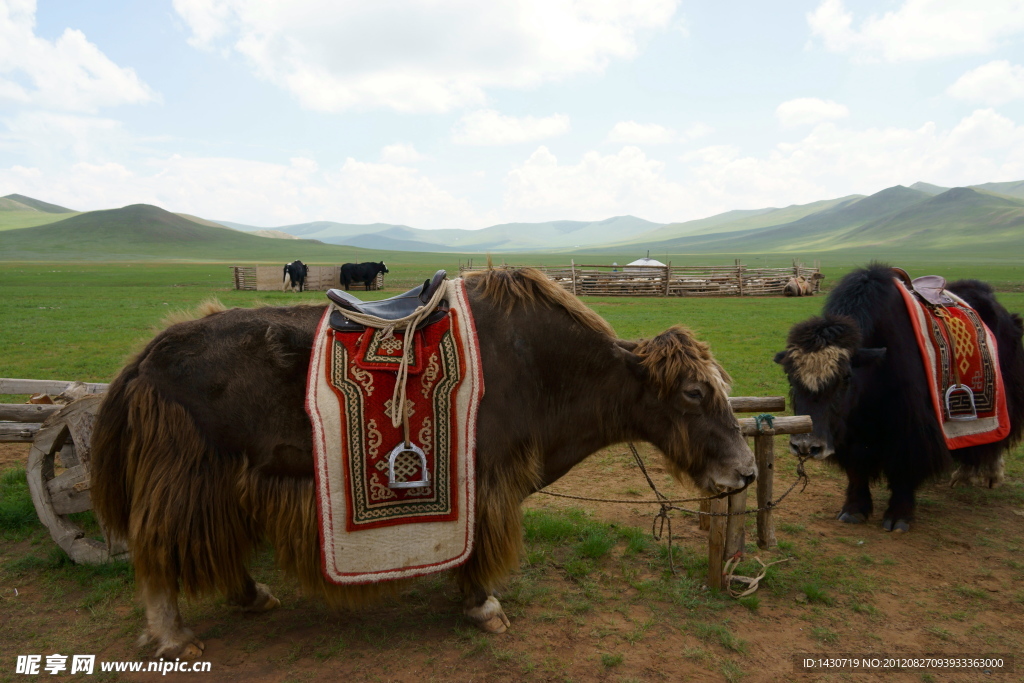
pixel 899 526
pixel 265 600
pixel 184 646
pixel 489 617
pixel 852 517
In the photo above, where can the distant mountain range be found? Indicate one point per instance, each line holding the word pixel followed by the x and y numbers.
pixel 551 235
pixel 923 217
pixel 142 231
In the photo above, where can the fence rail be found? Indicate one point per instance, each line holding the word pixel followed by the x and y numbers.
pixel 669 280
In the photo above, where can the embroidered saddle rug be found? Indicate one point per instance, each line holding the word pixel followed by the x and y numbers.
pixel 961 361
pixel 375 523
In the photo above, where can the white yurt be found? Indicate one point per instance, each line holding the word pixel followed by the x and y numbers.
pixel 645 267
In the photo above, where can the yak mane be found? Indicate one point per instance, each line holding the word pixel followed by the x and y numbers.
pixel 508 288
pixel 205 308
pixel 817 349
pixel 675 355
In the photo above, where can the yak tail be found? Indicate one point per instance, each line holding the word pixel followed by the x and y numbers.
pixel 193 517
pixel 157 484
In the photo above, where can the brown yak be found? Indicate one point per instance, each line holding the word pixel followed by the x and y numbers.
pixel 801 285
pixel 202 448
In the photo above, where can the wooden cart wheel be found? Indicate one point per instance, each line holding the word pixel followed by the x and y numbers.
pixel 67 435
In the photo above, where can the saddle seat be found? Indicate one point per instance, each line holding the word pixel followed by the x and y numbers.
pixel 927 287
pixel 394 308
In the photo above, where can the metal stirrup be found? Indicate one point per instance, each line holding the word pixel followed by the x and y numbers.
pixel 960 388
pixel 411 448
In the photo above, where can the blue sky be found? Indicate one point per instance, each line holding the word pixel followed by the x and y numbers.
pixel 456 113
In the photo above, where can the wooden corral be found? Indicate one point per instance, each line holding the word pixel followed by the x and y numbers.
pixel 734 280
pixel 271 278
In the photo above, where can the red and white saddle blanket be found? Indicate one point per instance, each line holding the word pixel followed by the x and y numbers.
pixel 958 349
pixel 370 529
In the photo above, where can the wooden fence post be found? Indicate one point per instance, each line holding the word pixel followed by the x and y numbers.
pixel 716 544
pixel 764 455
pixel 668 276
pixel 572 263
pixel 735 534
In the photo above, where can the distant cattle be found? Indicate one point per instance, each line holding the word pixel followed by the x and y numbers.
pixel 361 272
pixel 802 285
pixel 295 274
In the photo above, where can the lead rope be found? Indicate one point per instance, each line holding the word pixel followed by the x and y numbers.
pixel 399 414
pixel 666 505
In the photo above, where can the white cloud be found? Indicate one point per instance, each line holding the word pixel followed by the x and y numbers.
pixel 919 29
pixel 994 83
pixel 633 133
pixel 830 161
pixel 69 73
pixel 426 56
pixel 400 153
pixel 698 130
pixel 254 192
pixel 488 127
pixel 597 187
pixel 805 111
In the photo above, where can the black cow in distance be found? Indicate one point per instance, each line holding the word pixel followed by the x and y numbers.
pixel 295 276
pixel 361 272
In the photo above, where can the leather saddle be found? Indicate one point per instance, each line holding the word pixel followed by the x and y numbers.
pixel 396 307
pixel 927 287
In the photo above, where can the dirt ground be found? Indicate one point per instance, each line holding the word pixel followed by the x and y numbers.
pixel 951 586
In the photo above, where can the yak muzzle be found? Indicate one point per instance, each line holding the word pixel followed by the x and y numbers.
pixel 810 446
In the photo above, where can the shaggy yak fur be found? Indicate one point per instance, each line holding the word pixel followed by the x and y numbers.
pixel 857 371
pixel 202 447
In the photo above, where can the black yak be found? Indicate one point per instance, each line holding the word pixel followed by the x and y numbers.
pixel 856 370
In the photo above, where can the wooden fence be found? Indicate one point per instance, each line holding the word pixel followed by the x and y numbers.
pixel 669 280
pixel 271 278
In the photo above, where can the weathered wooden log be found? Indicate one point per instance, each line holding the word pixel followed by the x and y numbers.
pixel 757 404
pixel 44 386
pixel 716 543
pixel 764 456
pixel 18 432
pixel 735 535
pixel 27 412
pixel 795 424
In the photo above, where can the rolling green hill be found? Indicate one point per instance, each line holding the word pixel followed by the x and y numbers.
pixel 143 232
pixel 19 211
pixel 18 202
pixel 965 219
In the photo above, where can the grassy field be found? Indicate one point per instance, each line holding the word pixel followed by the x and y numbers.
pixel 593 599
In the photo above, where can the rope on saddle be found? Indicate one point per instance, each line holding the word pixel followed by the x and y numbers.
pixel 409 323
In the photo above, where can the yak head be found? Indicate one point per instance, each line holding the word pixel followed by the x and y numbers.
pixel 822 358
pixel 691 420
pixel 382 267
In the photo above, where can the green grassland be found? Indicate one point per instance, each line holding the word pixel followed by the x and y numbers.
pixel 81 320
pixel 608 583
